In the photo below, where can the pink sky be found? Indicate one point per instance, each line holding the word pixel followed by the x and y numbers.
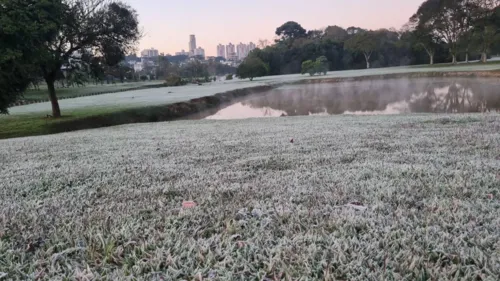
pixel 167 24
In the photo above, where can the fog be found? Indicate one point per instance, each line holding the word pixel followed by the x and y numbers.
pixel 389 96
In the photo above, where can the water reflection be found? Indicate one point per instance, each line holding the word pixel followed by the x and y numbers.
pixel 391 96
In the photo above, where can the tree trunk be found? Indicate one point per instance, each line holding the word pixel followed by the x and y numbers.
pixel 56 111
pixel 367 58
pixel 467 56
pixel 454 59
pixel 431 59
pixel 484 57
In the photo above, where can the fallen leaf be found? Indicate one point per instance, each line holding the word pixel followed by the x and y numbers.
pixel 357 207
pixel 291 141
pixel 188 204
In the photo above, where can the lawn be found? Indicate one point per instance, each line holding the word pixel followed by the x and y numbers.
pixel 106 204
pixel 73 92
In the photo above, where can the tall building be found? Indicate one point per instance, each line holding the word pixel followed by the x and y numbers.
pixel 192 44
pixel 231 52
pixel 149 53
pixel 221 51
pixel 242 51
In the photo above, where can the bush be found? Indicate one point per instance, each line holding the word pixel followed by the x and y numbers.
pixel 320 65
pixel 252 67
pixel 173 80
pixel 144 78
pixel 229 77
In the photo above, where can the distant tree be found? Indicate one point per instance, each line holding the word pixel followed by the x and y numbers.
pixel 448 19
pixel 291 30
pixel 229 77
pixel 309 66
pixel 364 42
pixel 336 33
pixel 262 43
pixel 353 30
pixel 424 38
pixel 315 34
pixel 320 65
pixel 486 27
pixel 219 59
pixel 252 67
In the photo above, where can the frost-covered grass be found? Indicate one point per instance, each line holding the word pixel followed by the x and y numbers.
pixel 177 94
pixel 106 204
pixel 42 93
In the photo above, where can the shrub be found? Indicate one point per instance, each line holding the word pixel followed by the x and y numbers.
pixel 173 80
pixel 229 77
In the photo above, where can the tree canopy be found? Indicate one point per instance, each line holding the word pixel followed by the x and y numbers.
pixel 252 67
pixel 291 30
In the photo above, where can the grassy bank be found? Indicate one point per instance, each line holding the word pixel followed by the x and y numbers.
pixel 41 94
pixel 107 204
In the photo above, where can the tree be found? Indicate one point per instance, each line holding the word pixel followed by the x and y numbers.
pixel 336 33
pixel 291 30
pixel 108 29
pixel 309 66
pixel 423 37
pixel 486 26
pixel 252 67
pixel 364 42
pixel 25 25
pixel 320 65
pixel 448 19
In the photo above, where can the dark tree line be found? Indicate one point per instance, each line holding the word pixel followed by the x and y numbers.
pixel 440 31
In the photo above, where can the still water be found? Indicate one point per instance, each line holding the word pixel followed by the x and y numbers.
pixel 390 96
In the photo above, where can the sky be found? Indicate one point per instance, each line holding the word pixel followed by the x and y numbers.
pixel 167 24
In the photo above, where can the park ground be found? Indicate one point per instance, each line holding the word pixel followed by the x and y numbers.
pixel 147 105
pixel 412 197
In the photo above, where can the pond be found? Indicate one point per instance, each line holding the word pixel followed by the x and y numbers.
pixel 368 97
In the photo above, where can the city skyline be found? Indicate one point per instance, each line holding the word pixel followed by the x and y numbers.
pixel 220 21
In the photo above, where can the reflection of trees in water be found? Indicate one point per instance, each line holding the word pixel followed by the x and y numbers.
pixel 420 95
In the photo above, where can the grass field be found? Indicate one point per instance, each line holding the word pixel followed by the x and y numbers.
pixel 106 204
pixel 73 92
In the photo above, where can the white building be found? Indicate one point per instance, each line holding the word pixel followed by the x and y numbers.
pixel 221 51
pixel 231 52
pixel 241 51
pixel 149 53
pixel 192 44
pixel 182 53
pixel 199 52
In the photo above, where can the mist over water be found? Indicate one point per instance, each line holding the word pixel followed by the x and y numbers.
pixel 389 96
